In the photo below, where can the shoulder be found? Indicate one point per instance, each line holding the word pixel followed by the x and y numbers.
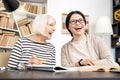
pixel 51 45
pixel 94 38
pixel 22 39
pixel 66 44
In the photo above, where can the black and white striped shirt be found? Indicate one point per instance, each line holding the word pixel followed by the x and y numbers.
pixel 25 48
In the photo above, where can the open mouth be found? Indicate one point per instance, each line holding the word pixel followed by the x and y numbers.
pixel 78 28
pixel 50 33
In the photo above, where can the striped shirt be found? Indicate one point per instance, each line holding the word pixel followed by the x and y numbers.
pixel 25 48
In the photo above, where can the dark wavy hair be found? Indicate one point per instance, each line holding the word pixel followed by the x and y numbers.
pixel 69 16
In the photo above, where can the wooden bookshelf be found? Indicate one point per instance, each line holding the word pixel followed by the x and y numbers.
pixel 33 6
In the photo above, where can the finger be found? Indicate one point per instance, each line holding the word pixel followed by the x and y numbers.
pixel 90 63
pixel 34 57
pixel 93 63
pixel 34 61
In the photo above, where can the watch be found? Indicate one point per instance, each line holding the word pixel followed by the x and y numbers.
pixel 80 61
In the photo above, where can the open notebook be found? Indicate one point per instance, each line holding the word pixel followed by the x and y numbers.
pixel 50 68
pixel 65 69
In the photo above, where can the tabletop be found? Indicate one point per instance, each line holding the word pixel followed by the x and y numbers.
pixel 45 75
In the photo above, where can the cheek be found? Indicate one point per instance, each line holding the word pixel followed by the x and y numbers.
pixel 71 29
pixel 46 30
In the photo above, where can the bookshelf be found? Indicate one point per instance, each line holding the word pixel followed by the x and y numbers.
pixel 9 34
pixel 14 25
pixel 115 37
pixel 8 30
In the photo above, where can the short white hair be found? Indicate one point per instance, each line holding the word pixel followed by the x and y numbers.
pixel 39 23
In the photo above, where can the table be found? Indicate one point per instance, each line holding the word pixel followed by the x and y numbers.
pixel 44 75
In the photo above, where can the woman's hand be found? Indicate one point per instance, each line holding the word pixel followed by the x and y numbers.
pixel 86 62
pixel 34 60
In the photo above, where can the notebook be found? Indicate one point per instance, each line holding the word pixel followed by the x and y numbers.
pixel 50 68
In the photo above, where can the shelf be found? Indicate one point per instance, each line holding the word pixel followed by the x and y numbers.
pixel 5 47
pixel 33 6
pixel 35 1
pixel 23 13
pixel 7 29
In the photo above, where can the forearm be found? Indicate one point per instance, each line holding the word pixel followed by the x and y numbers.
pixel 106 62
pixel 13 62
pixel 14 58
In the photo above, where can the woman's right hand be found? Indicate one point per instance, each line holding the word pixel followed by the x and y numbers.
pixel 88 62
pixel 34 60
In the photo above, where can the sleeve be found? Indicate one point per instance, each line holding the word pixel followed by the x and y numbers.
pixel 15 55
pixel 65 58
pixel 105 54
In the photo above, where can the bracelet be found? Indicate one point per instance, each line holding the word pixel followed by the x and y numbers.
pixel 80 63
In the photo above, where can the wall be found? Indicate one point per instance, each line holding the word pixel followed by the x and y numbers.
pixel 94 9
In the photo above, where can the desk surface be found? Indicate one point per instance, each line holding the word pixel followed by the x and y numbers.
pixel 43 75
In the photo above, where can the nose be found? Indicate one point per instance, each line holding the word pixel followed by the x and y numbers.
pixel 77 22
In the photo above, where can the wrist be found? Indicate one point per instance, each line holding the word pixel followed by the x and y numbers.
pixel 79 62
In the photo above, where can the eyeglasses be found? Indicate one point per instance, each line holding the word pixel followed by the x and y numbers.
pixel 73 22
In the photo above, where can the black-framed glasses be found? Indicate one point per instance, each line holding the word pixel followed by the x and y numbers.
pixel 73 22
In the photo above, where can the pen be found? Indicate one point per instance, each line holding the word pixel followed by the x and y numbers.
pixel 42 60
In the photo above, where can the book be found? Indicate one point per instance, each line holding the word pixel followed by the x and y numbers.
pixel 30 27
pixel 50 68
pixel 98 68
pixel 65 69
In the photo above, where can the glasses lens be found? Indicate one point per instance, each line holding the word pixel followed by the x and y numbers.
pixel 75 21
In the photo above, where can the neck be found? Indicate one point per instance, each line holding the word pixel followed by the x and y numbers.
pixel 38 38
pixel 79 37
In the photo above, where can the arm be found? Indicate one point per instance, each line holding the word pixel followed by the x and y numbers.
pixel 104 52
pixel 65 57
pixel 53 59
pixel 15 55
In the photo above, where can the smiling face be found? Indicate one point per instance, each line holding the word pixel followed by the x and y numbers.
pixel 77 25
pixel 44 25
